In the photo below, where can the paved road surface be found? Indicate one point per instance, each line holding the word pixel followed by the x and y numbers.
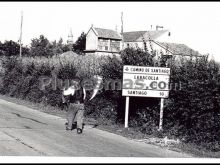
pixel 28 132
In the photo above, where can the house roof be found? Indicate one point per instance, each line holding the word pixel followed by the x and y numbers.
pixel 107 33
pixel 132 36
pixel 180 48
pixel 138 35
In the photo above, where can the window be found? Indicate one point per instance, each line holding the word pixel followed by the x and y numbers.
pixel 99 47
pixel 106 47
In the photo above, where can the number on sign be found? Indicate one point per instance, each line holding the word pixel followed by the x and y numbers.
pixel 161 93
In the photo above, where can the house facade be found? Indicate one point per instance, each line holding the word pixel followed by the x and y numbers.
pixel 102 42
pixel 108 42
pixel 146 40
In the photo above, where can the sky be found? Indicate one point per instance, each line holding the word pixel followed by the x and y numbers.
pixel 196 24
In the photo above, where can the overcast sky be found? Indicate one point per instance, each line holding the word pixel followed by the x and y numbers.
pixel 196 24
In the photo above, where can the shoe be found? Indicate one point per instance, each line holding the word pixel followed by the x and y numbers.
pixel 73 125
pixel 79 131
pixel 68 129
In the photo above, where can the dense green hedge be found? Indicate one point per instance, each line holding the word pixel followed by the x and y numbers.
pixel 192 112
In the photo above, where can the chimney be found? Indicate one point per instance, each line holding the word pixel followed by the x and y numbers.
pixel 157 27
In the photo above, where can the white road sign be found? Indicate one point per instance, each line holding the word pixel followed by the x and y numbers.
pixel 146 70
pixel 146 81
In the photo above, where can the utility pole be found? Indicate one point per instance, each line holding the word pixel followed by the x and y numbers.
pixel 122 30
pixel 21 34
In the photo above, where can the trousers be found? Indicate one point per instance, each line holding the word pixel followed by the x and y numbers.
pixel 75 113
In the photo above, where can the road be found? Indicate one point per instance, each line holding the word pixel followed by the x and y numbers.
pixel 28 132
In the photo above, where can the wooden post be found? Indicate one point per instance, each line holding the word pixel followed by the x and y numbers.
pixel 21 34
pixel 126 111
pixel 161 114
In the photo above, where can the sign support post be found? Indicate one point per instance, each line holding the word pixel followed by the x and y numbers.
pixel 161 114
pixel 154 83
pixel 126 111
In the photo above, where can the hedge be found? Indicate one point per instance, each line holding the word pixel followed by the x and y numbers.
pixel 191 112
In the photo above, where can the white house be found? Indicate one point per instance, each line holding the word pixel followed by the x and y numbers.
pixel 102 42
pixel 107 42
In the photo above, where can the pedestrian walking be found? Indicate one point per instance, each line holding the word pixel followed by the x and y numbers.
pixel 74 97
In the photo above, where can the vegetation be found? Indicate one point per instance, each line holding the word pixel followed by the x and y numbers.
pixel 42 47
pixel 11 48
pixel 191 112
pixel 80 45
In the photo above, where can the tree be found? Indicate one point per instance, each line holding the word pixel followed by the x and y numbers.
pixel 9 48
pixel 131 56
pixel 1 49
pixel 25 51
pixel 58 47
pixel 41 47
pixel 65 48
pixel 80 45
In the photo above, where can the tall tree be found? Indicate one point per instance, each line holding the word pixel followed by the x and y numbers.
pixel 41 47
pixel 80 45
pixel 59 46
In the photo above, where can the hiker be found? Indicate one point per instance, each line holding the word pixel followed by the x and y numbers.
pixel 75 97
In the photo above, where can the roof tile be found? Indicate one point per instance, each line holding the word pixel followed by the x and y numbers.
pixel 107 33
pixel 136 35
pixel 180 48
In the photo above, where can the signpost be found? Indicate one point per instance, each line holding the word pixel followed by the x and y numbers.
pixel 139 81
pixel 161 114
pixel 126 111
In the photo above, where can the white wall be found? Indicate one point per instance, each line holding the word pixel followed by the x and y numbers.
pixel 133 44
pixel 155 47
pixel 166 38
pixel 91 40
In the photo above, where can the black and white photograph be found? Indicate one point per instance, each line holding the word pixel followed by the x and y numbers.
pixel 109 82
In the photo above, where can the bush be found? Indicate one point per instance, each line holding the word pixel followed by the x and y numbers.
pixel 102 109
pixel 191 112
pixel 22 77
pixel 194 108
